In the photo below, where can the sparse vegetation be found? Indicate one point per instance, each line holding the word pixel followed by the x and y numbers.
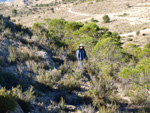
pixel 69 85
pixel 109 64
pixel 48 78
pixel 14 12
pixel 12 54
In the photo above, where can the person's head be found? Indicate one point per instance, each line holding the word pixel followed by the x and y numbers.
pixel 81 46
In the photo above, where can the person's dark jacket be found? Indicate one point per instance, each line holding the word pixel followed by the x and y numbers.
pixel 81 54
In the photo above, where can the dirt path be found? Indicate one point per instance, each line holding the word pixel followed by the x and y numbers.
pixel 78 13
pixel 138 14
pixel 142 32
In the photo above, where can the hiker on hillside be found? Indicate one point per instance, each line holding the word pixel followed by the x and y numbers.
pixel 81 55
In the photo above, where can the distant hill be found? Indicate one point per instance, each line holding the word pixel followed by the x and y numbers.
pixel 29 2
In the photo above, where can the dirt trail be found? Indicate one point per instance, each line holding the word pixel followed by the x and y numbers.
pixel 78 13
pixel 133 15
pixel 142 32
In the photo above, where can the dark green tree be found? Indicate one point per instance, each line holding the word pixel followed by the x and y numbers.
pixel 106 19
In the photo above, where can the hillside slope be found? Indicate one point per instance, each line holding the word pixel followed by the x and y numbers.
pixel 30 2
pixel 39 71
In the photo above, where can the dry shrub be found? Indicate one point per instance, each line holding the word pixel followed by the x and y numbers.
pixel 69 84
pixel 32 66
pixel 48 78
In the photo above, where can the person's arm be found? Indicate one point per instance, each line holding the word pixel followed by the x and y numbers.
pixel 78 55
pixel 85 56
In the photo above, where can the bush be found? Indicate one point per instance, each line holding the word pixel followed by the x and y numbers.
pixel 64 68
pixel 32 66
pixel 69 85
pixel 145 53
pixel 132 49
pixel 25 98
pixel 62 104
pixel 138 33
pixel 108 49
pixel 8 33
pixel 129 39
pixel 7 101
pixel 106 19
pixel 138 76
pixel 93 20
pixel 138 97
pixel 24 56
pixel 14 12
pixel 88 30
pixel 12 54
pixel 56 29
pixel 88 42
pixel 48 78
pixel 100 90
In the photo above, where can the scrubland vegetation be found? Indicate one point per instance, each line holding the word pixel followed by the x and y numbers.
pixel 108 67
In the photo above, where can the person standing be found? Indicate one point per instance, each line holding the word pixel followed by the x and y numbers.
pixel 81 55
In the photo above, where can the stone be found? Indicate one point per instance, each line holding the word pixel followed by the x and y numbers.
pixel 70 108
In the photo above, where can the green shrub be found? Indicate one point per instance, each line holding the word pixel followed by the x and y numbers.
pixel 88 30
pixel 70 28
pixel 12 54
pixel 100 90
pixel 129 39
pixel 32 66
pixel 93 20
pixel 132 49
pixel 139 74
pixel 106 19
pixel 48 78
pixel 25 98
pixel 56 29
pixel 69 85
pixel 8 33
pixel 64 68
pixel 145 53
pixel 108 49
pixel 7 101
pixel 14 12
pixel 138 33
pixel 62 104
pixel 78 74
pixel 88 42
pixel 24 56
pixel 138 97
